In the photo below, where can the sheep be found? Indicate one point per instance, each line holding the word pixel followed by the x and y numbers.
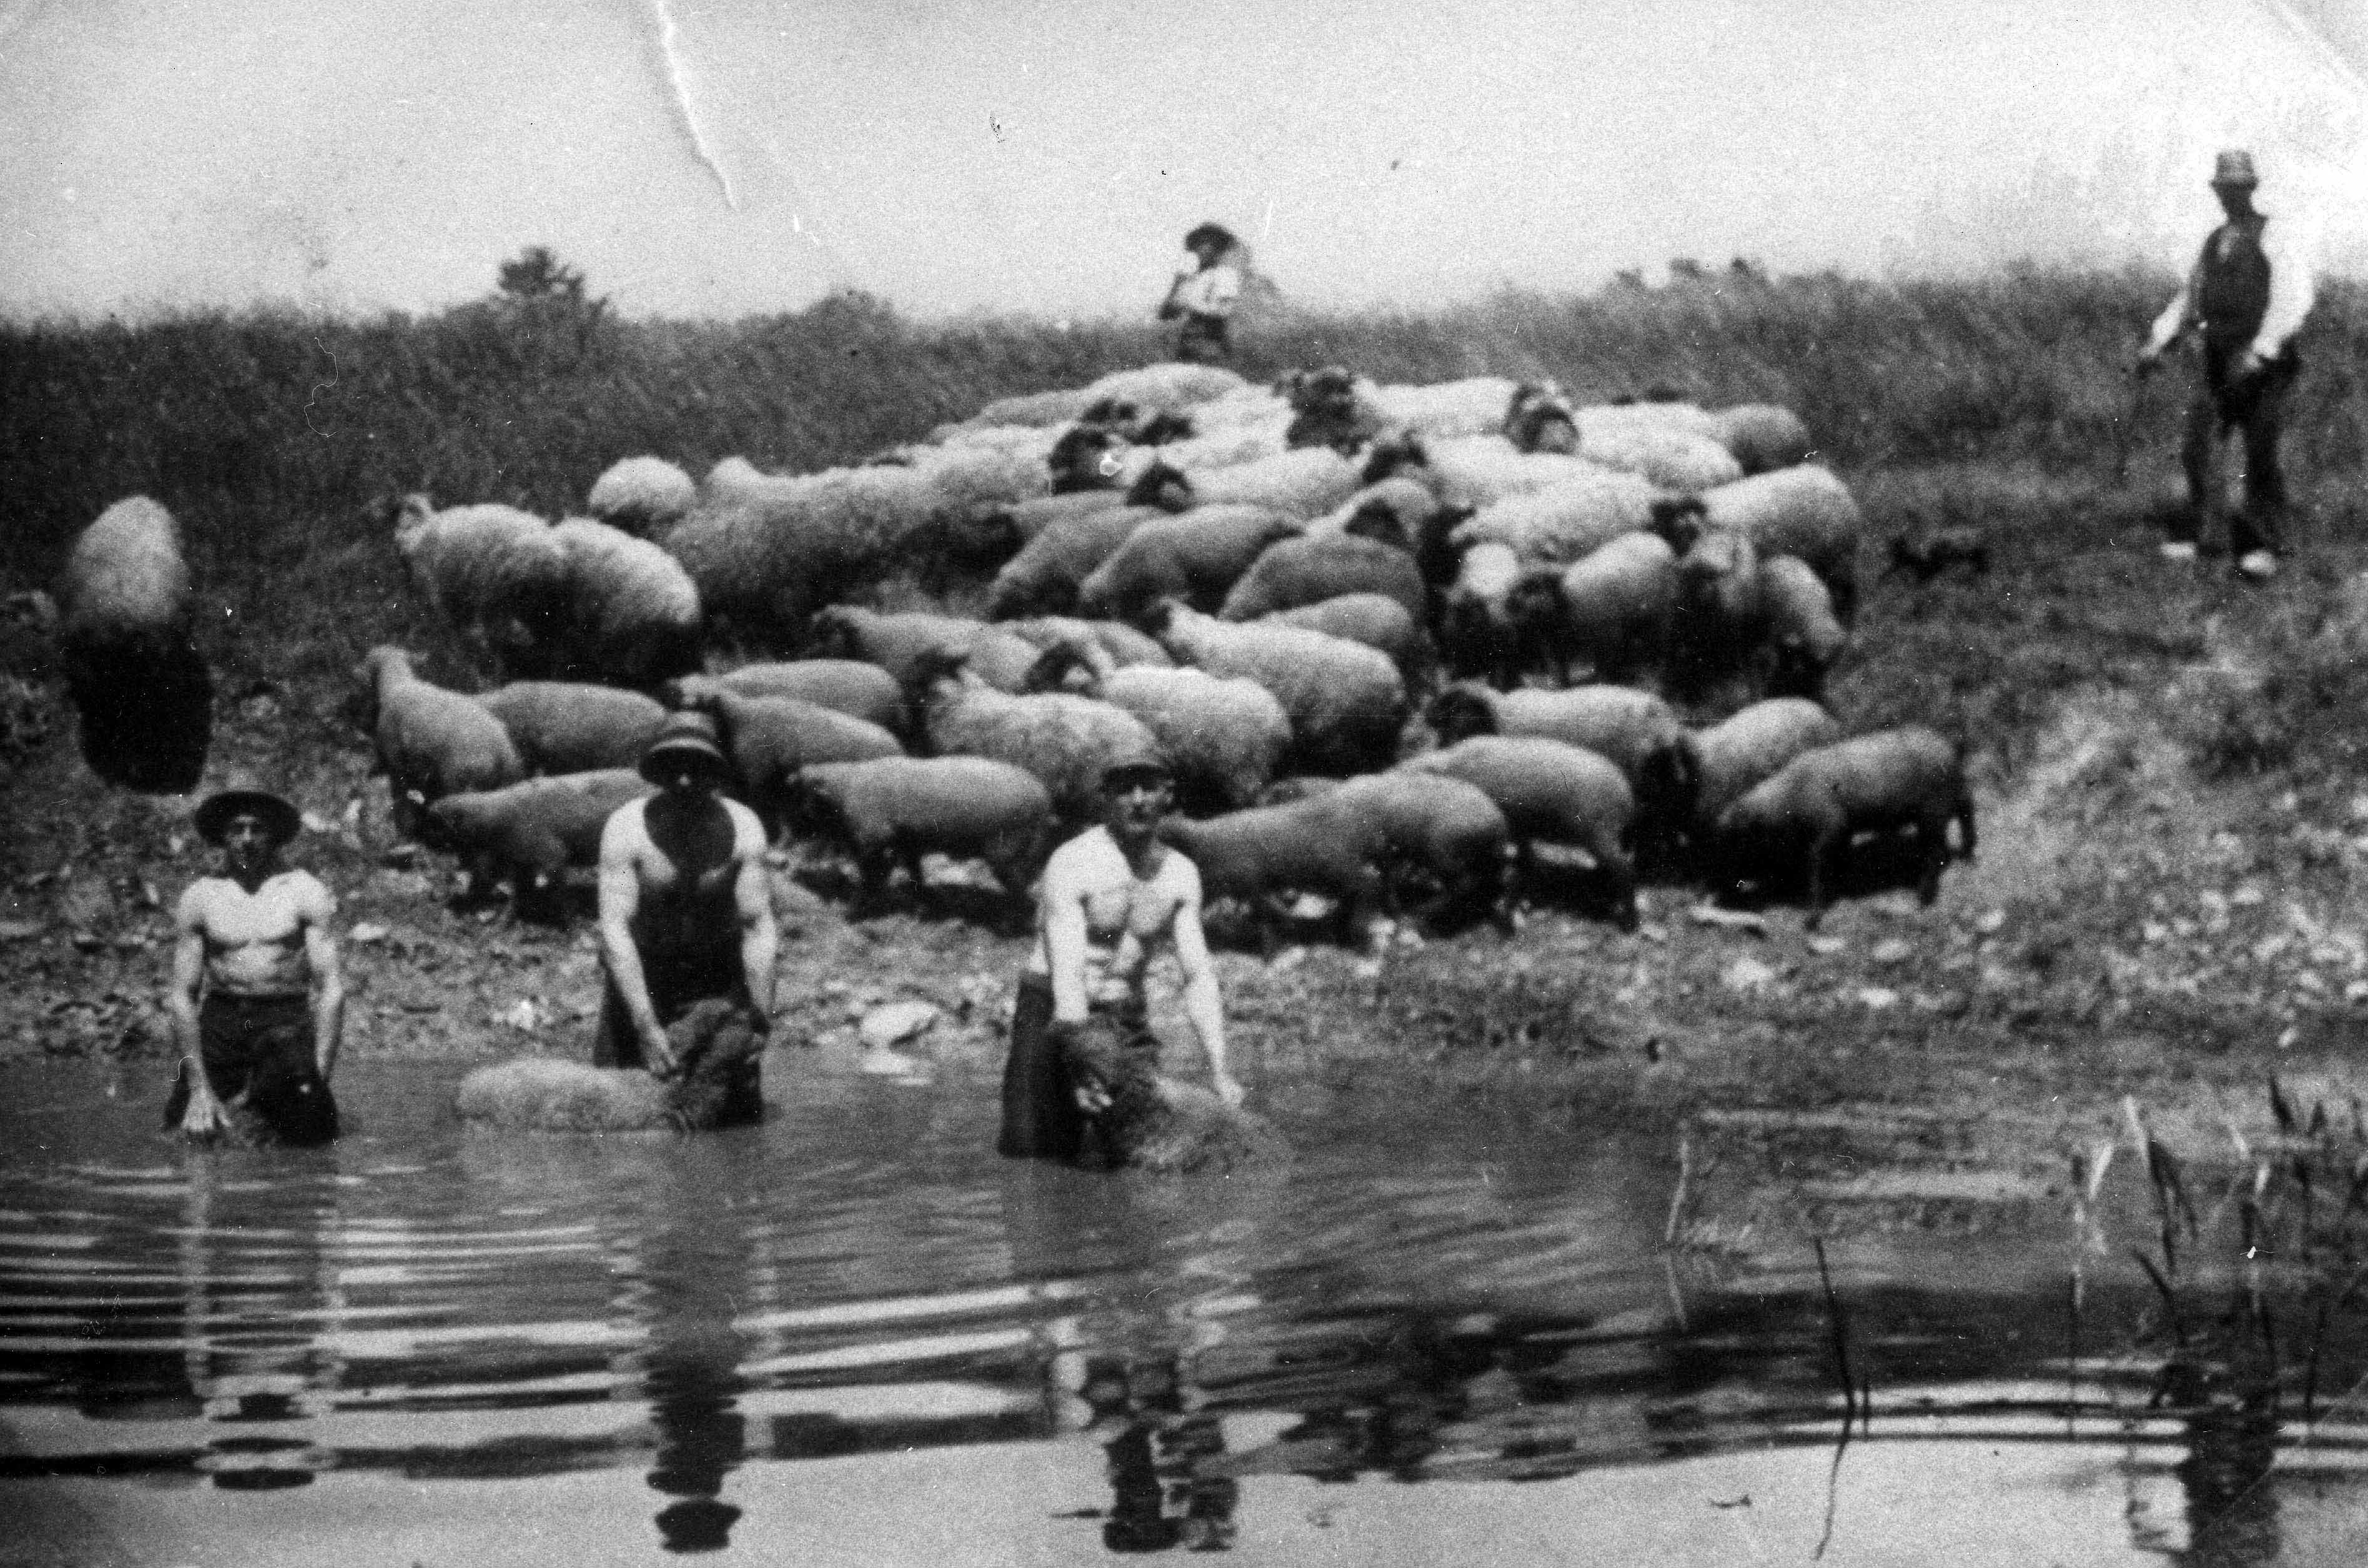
pixel 898 641
pixel 1346 701
pixel 1802 511
pixel 428 741
pixel 1804 635
pixel 1043 577
pixel 529 834
pixel 1440 826
pixel 1222 736
pixel 1167 386
pixel 769 738
pixel 1473 471
pixel 1293 572
pixel 1722 618
pixel 631 615
pixel 1121 644
pixel 1141 1119
pixel 1326 410
pixel 1304 484
pixel 718 1042
pixel 1304 845
pixel 1628 727
pixel 126 623
pixel 497 576
pixel 1087 459
pixel 1552 792
pixel 1674 459
pixel 1376 620
pixel 1476 632
pixel 1709 769
pixel 1196 557
pixel 767 551
pixel 1763 436
pixel 1613 610
pixel 1565 521
pixel 1027 518
pixel 1064 740
pixel 1444 410
pixel 855 686
pixel 572 726
pixel 1810 810
pixel 899 808
pixel 644 496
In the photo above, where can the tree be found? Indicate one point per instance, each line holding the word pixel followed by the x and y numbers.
pixel 535 275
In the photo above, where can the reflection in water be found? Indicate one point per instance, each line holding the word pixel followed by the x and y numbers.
pixel 2231 1507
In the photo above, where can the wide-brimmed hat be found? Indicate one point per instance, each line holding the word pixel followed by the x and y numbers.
pixel 2234 167
pixel 244 794
pixel 1210 233
pixel 685 735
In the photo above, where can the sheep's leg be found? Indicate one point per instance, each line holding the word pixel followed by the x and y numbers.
pixel 874 865
pixel 1620 868
pixel 1824 849
pixel 1932 844
pixel 1964 813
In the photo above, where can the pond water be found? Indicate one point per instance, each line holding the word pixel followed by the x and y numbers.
pixel 854 1335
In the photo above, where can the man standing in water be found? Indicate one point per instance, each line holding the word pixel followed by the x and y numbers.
pixel 685 909
pixel 257 1000
pixel 1109 896
pixel 2247 295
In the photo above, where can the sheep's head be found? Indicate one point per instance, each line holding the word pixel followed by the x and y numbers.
pixel 938 667
pixel 1162 428
pixel 1064 666
pixel 1460 712
pixel 1391 453
pixel 811 806
pixel 1679 520
pixel 1668 779
pixel 835 632
pixel 403 514
pixel 1378 520
pixel 1162 485
pixel 1163 616
pixel 1085 458
pixel 1112 1083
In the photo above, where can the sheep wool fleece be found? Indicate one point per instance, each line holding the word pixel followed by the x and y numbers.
pixel 1041 1118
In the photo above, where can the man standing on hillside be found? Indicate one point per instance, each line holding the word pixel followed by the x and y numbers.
pixel 2247 293
pixel 1207 287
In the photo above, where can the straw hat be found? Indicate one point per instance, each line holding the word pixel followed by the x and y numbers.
pixel 244 794
pixel 686 736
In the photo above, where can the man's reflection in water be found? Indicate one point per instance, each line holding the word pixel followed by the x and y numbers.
pixel 1162 1493
pixel 2232 1504
pixel 694 1256
pixel 257 1289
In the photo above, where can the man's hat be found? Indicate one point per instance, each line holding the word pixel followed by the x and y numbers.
pixel 1210 233
pixel 1133 765
pixel 685 736
pixel 2234 167
pixel 243 795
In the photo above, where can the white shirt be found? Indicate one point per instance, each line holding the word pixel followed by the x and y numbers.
pixel 1210 291
pixel 2292 292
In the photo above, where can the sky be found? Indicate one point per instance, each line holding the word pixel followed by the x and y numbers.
pixel 722 158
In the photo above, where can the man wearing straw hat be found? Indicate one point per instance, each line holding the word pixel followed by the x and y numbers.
pixel 2245 297
pixel 1207 286
pixel 686 908
pixel 257 1000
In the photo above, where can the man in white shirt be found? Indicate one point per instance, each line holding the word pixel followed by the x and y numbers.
pixel 1208 284
pixel 2245 297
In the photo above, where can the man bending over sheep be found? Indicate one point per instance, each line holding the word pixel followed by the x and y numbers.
pixel 1110 895
pixel 685 911
pixel 257 1000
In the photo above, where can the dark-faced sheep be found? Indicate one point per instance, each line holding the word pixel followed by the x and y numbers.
pixel 497 576
pixel 1137 1118
pixel 573 726
pixel 1474 471
pixel 1301 485
pixel 1065 741
pixel 1308 570
pixel 1540 419
pixel 1259 853
pixel 895 809
pixel 1477 634
pixel 1804 635
pixel 769 739
pixel 1196 557
pixel 901 641
pixel 528 834
pixel 1611 614
pixel 1346 701
pixel 1763 436
pixel 1044 578
pixel 429 741
pixel 719 1044
pixel 1440 828
pixel 1628 727
pixel 633 612
pixel 644 496
pixel 1376 620
pixel 855 686
pixel 1222 737
pixel 1802 511
pixel 1805 816
pixel 1122 645
pixel 1721 612
pixel 1565 522
pixel 1556 793
pixel 1711 768
pixel 127 619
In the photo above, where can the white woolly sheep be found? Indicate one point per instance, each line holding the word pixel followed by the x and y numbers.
pixel 497 576
pixel 1301 484
pixel 1030 518
pixel 126 619
pixel 644 497
pixel 717 1043
pixel 1722 619
pixel 430 742
pixel 1808 812
pixel 1143 1121
pixel 1613 612
pixel 632 613
pixel 895 809
pixel 1168 387
pixel 1802 511
pixel 1554 793
pixel 856 687
pixel 1763 436
pixel 1306 570
pixel 1222 736
pixel 1473 471
pixel 1804 635
pixel 1346 701
pixel 1376 620
pixel 769 738
pixel 1675 460
pixel 1122 645
pixel 1196 557
pixel 1538 418
pixel 1565 521
pixel 1257 855
pixel 1629 728
pixel 897 642
pixel 1444 410
pixel 573 726
pixel 1440 826
pixel 1711 768
pixel 1063 741
pixel 1477 635
pixel 529 834
pixel 1044 578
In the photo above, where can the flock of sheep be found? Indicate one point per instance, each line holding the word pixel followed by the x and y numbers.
pixel 1390 638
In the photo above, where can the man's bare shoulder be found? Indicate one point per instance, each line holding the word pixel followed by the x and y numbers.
pixel 625 831
pixel 1080 858
pixel 747 831
pixel 306 891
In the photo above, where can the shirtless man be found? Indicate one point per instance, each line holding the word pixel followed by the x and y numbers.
pixel 258 999
pixel 1110 895
pixel 685 911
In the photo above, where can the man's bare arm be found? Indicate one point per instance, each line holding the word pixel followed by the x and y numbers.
pixel 1204 1004
pixel 760 937
pixel 621 899
pixel 204 1114
pixel 1064 937
pixel 318 908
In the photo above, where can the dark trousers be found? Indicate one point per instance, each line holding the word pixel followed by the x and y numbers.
pixel 677 982
pixel 1203 340
pixel 257 1055
pixel 1041 1118
pixel 2254 406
